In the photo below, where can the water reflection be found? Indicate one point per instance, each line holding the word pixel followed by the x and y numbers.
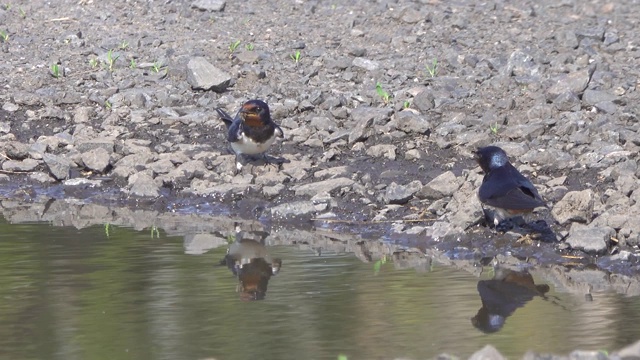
pixel 502 295
pixel 250 261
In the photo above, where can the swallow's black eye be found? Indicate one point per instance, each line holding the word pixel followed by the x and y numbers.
pixel 258 109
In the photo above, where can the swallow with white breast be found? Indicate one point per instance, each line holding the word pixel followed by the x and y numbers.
pixel 251 131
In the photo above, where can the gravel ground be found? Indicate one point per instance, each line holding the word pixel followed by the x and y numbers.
pixel 381 103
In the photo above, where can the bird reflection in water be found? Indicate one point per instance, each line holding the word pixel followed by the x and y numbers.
pixel 502 295
pixel 252 264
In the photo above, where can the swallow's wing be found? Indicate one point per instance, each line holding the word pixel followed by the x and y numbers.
pixel 236 131
pixel 278 131
pixel 228 120
pixel 506 188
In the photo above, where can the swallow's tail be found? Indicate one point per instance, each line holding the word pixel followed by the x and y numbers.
pixel 228 120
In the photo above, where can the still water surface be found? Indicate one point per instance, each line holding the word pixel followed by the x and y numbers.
pixel 125 294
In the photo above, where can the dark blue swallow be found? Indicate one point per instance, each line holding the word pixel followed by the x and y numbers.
pixel 251 131
pixel 505 193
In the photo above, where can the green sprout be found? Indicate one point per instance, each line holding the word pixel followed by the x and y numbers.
pixel 4 35
pixel 107 104
pixel 106 229
pixel 295 57
pixel 378 264
pixel 156 67
pixel 406 104
pixel 23 14
pixel 494 128
pixel 124 45
pixel 382 93
pixel 249 47
pixel 7 7
pixel 132 63
pixel 155 231
pixel 433 69
pixel 93 62
pixel 111 60
pixel 55 70
pixel 233 46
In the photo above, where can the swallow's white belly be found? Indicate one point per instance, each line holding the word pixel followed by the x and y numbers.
pixel 245 145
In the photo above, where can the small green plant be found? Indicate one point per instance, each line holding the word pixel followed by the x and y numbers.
pixel 382 93
pixel 4 35
pixel 106 229
pixel 55 70
pixel 233 46
pixel 433 69
pixel 111 60
pixel 93 62
pixel 378 264
pixel 156 67
pixel 7 7
pixel 296 56
pixel 494 128
pixel 124 45
pixel 107 104
pixel 132 63
pixel 406 104
pixel 23 14
pixel 249 46
pixel 155 233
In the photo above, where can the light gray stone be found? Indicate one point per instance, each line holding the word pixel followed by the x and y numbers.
pixel 96 159
pixel 20 165
pixel 410 122
pixel 384 150
pixel 575 206
pixel 401 194
pixel 590 239
pixel 322 186
pixel 202 75
pixel 441 186
pixel 209 5
pixel 369 65
pixel 296 208
pixel 142 184
pixel 487 353
pixel 59 166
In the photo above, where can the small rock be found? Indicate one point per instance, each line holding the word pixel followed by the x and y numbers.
pixel 20 165
pixel 593 97
pixel 487 353
pixel 576 206
pixel 96 159
pixel 366 64
pixel 384 150
pixel 575 82
pixel 16 150
pixel 297 208
pixel 410 122
pixel 88 145
pixel 322 186
pixel 142 184
pixel 567 101
pixel 424 100
pixel 401 194
pixel 590 239
pixel 201 75
pixel 209 5
pixel 59 166
pixel 442 186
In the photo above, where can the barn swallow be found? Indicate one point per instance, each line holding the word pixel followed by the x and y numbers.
pixel 251 131
pixel 505 192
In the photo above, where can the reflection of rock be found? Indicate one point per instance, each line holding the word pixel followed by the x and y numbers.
pixel 502 295
pixel 250 261
pixel 197 244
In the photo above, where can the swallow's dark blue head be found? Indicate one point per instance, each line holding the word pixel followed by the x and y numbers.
pixel 491 157
pixel 255 113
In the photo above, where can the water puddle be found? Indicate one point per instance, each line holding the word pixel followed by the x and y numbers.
pixel 186 287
